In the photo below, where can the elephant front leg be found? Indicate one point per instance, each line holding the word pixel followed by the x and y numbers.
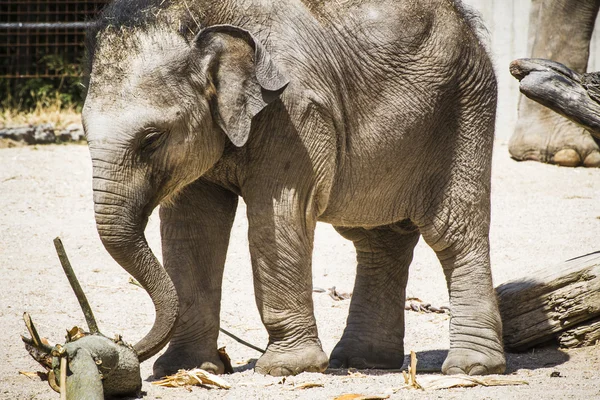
pixel 195 231
pixel 281 241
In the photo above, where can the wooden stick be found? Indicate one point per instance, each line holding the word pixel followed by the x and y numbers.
pixel 63 377
pixel 83 303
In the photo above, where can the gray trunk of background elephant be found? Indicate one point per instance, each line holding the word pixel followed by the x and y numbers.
pixel 376 117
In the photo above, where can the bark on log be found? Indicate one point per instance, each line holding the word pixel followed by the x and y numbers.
pixel 535 309
pixel 574 96
pixel 585 334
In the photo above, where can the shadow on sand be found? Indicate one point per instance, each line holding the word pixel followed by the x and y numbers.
pixel 430 361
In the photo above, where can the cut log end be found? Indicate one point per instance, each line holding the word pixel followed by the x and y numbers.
pixel 555 300
pixel 585 334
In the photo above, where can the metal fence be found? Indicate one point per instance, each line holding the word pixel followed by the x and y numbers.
pixel 44 38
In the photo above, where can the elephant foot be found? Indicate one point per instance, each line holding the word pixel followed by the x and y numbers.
pixel 352 353
pixel 472 362
pixel 186 357
pixel 279 361
pixel 544 136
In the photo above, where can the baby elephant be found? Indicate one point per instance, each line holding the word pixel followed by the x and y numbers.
pixel 375 116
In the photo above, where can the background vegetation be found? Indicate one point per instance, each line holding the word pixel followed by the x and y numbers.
pixel 40 100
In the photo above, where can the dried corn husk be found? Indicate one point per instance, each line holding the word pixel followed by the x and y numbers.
pixel 193 377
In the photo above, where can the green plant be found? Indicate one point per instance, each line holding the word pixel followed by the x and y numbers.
pixel 63 91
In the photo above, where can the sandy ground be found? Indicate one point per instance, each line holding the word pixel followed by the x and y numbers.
pixel 541 215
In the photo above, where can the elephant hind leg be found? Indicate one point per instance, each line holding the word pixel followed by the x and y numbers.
pixel 458 233
pixel 374 333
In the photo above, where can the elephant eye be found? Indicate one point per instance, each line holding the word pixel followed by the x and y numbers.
pixel 150 141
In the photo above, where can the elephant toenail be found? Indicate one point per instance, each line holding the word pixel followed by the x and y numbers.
pixel 455 371
pixel 567 158
pixel 358 362
pixel 478 370
pixel 281 371
pixel 592 160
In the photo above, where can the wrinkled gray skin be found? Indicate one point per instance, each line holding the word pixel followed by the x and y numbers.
pixel 374 116
pixel 559 30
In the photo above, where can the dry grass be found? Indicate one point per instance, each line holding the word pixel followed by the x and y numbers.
pixel 55 114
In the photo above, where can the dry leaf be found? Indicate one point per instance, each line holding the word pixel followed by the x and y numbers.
pixel 356 374
pixel 30 375
pixel 75 333
pixel 307 385
pixel 356 396
pixel 410 377
pixel 193 377
pixel 134 282
pixel 52 381
pixel 226 360
pixel 337 296
pixel 447 382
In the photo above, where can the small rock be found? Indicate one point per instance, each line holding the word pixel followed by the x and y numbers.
pixel 19 133
pixel 43 134
pixel 76 132
pixel 555 374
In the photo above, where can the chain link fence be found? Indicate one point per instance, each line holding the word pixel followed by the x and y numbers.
pixel 44 38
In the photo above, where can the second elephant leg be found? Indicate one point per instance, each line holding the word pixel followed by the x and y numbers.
pixel 195 233
pixel 559 30
pixel 374 333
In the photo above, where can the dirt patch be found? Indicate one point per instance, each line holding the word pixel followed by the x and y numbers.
pixel 541 215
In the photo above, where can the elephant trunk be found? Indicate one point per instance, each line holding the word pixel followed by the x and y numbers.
pixel 122 204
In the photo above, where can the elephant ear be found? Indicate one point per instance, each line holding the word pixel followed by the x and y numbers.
pixel 242 78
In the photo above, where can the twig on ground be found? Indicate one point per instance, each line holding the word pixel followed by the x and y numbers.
pixel 237 339
pixel 337 295
pixel 417 305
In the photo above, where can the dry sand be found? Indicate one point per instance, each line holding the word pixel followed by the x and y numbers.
pixel 542 215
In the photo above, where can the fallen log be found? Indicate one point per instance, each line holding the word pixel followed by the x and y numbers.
pixel 551 301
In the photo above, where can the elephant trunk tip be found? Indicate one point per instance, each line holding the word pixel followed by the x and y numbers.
pixel 518 69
